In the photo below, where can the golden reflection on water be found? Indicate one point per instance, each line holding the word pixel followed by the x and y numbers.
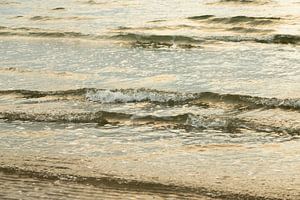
pixel 222 140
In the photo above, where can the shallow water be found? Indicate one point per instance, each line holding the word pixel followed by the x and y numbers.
pixel 148 99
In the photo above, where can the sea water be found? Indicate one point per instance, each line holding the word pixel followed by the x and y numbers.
pixel 150 99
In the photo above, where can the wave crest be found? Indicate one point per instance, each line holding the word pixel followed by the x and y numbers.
pixel 164 97
pixel 157 41
pixel 138 95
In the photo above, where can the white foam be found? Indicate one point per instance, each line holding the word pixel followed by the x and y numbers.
pixel 108 96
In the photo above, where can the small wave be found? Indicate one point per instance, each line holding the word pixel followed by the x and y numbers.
pixel 38 94
pixel 58 34
pixel 157 96
pixel 240 29
pixel 187 121
pixel 235 124
pixel 59 8
pixel 271 39
pixel 48 18
pixel 251 101
pixel 157 21
pixel 17 17
pixel 43 18
pixel 237 19
pixel 100 118
pixel 251 2
pixel 284 39
pixel 2 3
pixel 92 2
pixel 158 41
pixel 146 28
pixel 155 38
pixel 55 117
pixel 201 17
pixel 234 121
pixel 138 95
pixel 246 19
pixel 35 32
pixel 154 41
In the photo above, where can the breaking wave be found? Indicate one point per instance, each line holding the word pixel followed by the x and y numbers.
pixel 232 119
pixel 138 95
pixel 163 97
pixel 187 121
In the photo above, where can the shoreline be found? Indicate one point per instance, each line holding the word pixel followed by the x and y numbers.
pixel 77 172
pixel 133 186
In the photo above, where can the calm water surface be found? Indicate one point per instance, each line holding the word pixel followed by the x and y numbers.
pixel 148 99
